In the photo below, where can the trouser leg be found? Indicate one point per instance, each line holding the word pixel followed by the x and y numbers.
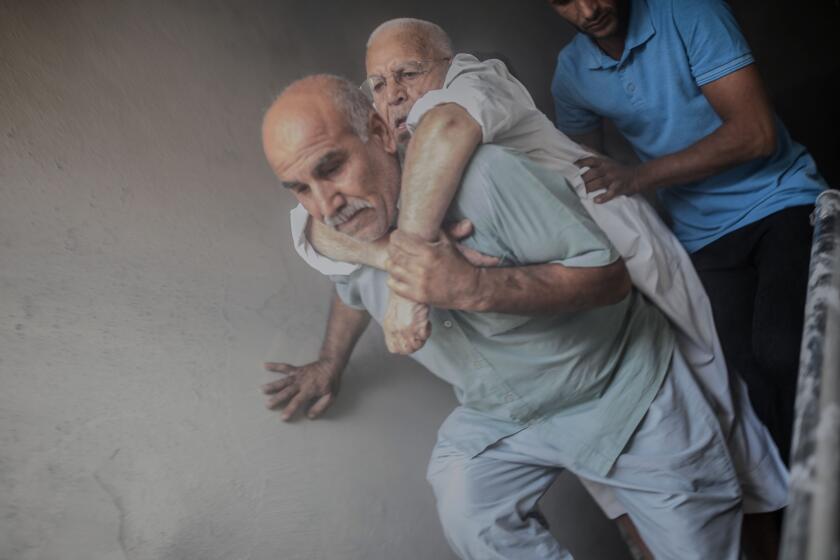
pixel 676 478
pixel 486 504
pixel 730 278
pixel 782 260
pixel 756 278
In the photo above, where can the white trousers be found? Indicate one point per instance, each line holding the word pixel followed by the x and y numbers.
pixel 676 480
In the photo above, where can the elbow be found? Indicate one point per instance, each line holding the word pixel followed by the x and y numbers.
pixel 758 140
pixel 765 140
pixel 452 122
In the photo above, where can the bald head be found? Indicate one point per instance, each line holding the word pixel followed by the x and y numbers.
pixel 334 97
pixel 422 36
pixel 329 148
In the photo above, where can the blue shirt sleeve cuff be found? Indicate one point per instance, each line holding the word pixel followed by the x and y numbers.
pixel 725 69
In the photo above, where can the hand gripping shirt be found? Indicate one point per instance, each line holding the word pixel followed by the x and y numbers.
pixel 595 372
pixel 652 94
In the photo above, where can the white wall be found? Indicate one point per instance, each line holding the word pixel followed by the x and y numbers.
pixel 146 272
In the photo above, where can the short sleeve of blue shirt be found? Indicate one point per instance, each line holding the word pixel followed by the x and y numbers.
pixel 714 43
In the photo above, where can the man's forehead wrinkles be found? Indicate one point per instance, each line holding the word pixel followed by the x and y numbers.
pixel 306 159
pixel 331 156
pixel 389 50
pixel 379 67
pixel 302 134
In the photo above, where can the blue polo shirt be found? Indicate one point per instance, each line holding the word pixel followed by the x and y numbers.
pixel 652 95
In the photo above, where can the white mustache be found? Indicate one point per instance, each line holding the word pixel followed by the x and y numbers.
pixel 347 211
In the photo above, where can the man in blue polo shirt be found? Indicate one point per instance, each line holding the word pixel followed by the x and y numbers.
pixel 677 79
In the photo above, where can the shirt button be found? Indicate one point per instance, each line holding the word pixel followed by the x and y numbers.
pixel 447 324
pixel 510 397
pixel 631 87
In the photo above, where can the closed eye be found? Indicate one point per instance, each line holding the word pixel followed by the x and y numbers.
pixel 297 188
pixel 332 170
pixel 330 165
pixel 409 75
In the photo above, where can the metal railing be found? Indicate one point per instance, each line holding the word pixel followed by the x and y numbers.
pixel 812 522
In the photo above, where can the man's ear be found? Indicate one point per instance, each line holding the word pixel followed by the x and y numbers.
pixel 379 130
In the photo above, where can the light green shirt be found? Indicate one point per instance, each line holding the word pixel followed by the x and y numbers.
pixel 596 370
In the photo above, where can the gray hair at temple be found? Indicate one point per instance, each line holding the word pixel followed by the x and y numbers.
pixel 424 35
pixel 346 96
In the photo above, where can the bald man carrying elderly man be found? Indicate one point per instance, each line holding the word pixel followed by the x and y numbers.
pixel 576 336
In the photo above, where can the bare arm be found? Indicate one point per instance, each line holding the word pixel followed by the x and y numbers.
pixel 340 247
pixel 436 274
pixel 318 380
pixel 440 149
pixel 747 132
pixel 344 327
pixel 546 289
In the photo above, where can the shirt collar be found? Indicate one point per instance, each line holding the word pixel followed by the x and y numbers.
pixel 639 31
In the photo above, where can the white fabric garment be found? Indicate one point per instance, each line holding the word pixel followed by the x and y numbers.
pixel 658 265
pixel 674 478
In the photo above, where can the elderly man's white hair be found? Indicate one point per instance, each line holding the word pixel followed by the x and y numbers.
pixel 424 35
pixel 346 96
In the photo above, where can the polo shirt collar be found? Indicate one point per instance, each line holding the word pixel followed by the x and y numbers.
pixel 639 32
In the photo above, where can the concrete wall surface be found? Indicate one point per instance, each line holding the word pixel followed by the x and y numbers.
pixel 146 272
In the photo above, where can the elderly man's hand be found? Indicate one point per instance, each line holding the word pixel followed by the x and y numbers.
pixel 406 323
pixel 435 273
pixel 318 381
pixel 609 175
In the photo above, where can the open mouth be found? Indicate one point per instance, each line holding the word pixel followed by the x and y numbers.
pixel 399 124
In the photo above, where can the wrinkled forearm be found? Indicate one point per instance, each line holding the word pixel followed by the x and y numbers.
pixel 344 327
pixel 547 288
pixel 726 147
pixel 340 247
pixel 437 155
